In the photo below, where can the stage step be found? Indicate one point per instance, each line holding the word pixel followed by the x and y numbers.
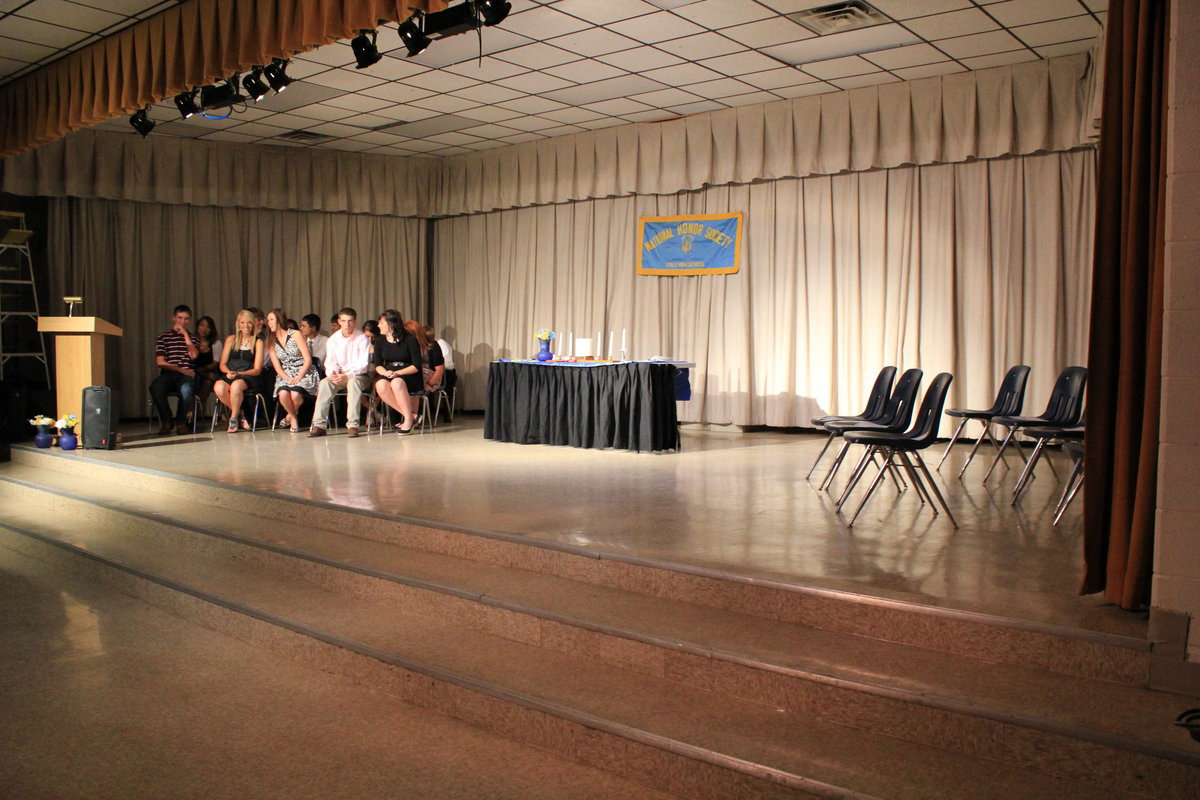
pixel 749 698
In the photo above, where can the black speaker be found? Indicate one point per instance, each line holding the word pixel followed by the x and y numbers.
pixel 99 432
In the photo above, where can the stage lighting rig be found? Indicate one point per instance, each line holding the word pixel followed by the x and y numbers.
pixel 276 74
pixel 254 84
pixel 141 122
pixel 412 37
pixel 469 16
pixel 224 95
pixel 186 103
pixel 365 50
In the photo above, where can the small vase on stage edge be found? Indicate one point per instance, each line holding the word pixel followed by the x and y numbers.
pixel 67 440
pixel 44 438
pixel 544 354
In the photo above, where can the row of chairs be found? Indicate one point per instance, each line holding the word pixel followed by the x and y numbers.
pixel 893 440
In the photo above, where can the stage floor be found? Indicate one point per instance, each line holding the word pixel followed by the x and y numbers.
pixel 731 500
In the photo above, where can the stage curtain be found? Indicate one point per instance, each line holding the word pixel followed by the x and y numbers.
pixel 967 268
pixel 1124 378
pixel 133 262
pixel 190 44
pixel 1018 109
pixel 171 169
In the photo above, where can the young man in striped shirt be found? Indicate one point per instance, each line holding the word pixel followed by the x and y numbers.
pixel 174 354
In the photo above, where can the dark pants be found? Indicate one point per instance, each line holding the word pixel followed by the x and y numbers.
pixel 172 382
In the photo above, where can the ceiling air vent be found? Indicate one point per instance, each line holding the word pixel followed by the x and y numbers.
pixel 838 17
pixel 303 136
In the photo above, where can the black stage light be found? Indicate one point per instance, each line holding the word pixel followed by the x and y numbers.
pixel 413 38
pixel 255 86
pixel 186 103
pixel 276 75
pixel 492 12
pixel 365 51
pixel 140 122
pixel 224 95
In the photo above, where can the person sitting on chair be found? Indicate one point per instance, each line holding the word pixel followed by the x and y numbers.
pixel 295 374
pixel 310 327
pixel 241 365
pixel 433 366
pixel 346 366
pixel 174 354
pixel 208 358
pixel 397 367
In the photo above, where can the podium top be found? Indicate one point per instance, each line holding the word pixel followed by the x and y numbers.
pixel 77 325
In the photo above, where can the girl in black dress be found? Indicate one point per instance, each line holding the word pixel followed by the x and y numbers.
pixel 397 367
pixel 208 360
pixel 241 365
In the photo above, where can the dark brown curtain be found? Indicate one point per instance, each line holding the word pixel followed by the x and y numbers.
pixel 192 44
pixel 1125 354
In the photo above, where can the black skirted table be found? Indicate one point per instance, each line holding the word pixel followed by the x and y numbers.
pixel 629 405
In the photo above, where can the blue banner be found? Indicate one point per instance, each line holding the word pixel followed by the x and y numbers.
pixel 693 244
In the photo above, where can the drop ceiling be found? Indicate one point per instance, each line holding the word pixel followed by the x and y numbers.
pixel 555 67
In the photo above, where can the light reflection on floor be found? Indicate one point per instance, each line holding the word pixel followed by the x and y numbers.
pixel 731 500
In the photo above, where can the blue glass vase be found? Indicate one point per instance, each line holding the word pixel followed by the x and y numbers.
pixel 67 440
pixel 544 354
pixel 43 438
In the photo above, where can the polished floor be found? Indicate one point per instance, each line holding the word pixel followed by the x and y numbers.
pixel 731 500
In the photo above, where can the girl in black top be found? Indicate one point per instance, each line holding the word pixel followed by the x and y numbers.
pixel 208 359
pixel 397 361
pixel 241 366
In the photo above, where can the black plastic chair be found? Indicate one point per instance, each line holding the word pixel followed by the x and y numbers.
pixel 1010 399
pixel 895 417
pixel 876 403
pixel 1064 410
pixel 1044 436
pixel 903 451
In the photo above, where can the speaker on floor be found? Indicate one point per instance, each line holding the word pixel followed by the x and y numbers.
pixel 99 429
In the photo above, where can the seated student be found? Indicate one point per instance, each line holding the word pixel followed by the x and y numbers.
pixel 208 358
pixel 370 329
pixel 241 366
pixel 451 376
pixel 432 364
pixel 295 374
pixel 174 355
pixel 347 365
pixel 310 328
pixel 397 368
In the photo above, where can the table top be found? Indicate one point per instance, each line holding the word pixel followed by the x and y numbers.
pixel 536 363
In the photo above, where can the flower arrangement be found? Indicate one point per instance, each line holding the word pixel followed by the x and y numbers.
pixel 545 335
pixel 42 421
pixel 67 423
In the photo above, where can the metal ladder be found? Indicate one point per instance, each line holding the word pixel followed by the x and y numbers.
pixel 18 294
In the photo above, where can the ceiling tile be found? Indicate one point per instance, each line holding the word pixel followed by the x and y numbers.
pixel 909 56
pixel 531 105
pixel 71 15
pixel 767 32
pixel 1063 30
pixel 870 79
pixel 228 136
pixel 1065 48
pixel 740 63
pixel 571 115
pixel 452 137
pixel 724 13
pixel 321 111
pixel 804 90
pixel 487 144
pixel 980 44
pixel 442 123
pixel 436 80
pixel 397 92
pixel 587 70
pixel 396 69
pixel 928 70
pixel 953 23
pixel 492 69
pixel 490 131
pixel 1025 12
pixel 999 59
pixel 530 123
pixel 774 78
pixel 299 69
pixel 836 45
pixel 682 74
pixel 666 97
pixel 639 58
pixel 725 87
pixel 466 49
pixel 906 9
pixel 700 45
pixel 24 51
pixel 617 106
pixel 749 99
pixel 840 67
pixel 490 113
pixel 122 7
pixel 537 56
pixel 336 129
pixel 543 22
pixel 446 103
pixel 697 108
pixel 654 115
pixel 379 138
pixel 345 80
pixel 602 122
pixel 604 90
pixel 656 27
pixel 358 102
pixel 534 83
pixel 602 12
pixel 351 145
pixel 35 32
pixel 594 42
pixel 333 55
pixel 488 93
pixel 561 130
pixel 385 116
pixel 523 137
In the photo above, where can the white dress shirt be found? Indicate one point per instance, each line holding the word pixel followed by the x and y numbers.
pixel 349 356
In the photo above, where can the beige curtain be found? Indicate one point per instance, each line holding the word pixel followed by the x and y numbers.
pixel 133 262
pixel 1011 110
pixel 967 268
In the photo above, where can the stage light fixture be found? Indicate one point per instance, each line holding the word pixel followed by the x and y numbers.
pixel 492 12
pixel 255 86
pixel 224 95
pixel 186 103
pixel 276 75
pixel 412 37
pixel 141 122
pixel 365 51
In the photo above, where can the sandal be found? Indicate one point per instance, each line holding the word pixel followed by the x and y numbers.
pixel 245 425
pixel 294 427
pixel 233 421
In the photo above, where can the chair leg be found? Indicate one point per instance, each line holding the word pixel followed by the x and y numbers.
pixel 1070 490
pixel 1000 453
pixel 837 462
pixel 1027 473
pixel 871 489
pixel 820 455
pixel 868 457
pixel 922 491
pixel 953 439
pixel 933 486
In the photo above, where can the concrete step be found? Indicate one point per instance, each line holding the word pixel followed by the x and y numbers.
pixel 1110 735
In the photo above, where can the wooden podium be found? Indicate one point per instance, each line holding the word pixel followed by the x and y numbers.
pixel 78 356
